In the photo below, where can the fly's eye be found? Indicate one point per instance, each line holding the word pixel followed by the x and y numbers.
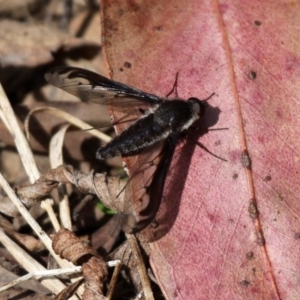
pixel 200 106
pixel 194 99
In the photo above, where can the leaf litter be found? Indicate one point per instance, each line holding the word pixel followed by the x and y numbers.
pixel 33 60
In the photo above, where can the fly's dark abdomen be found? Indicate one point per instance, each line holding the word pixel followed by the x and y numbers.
pixel 144 133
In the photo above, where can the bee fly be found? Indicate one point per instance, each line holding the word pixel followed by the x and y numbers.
pixel 156 126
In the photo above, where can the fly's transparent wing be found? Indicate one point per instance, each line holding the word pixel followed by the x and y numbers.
pixel 90 86
pixel 127 103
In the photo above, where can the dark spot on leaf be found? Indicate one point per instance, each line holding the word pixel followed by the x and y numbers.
pixel 252 209
pixel 250 255
pixel 267 178
pixel 127 64
pixel 245 283
pixel 257 23
pixel 235 176
pixel 297 236
pixel 246 161
pixel 252 75
pixel 261 240
pixel 280 198
pixel 279 113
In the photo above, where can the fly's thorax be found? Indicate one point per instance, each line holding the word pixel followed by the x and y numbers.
pixel 177 114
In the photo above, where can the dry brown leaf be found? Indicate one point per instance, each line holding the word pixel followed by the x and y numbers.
pixel 17 9
pixel 32 284
pixel 105 187
pixel 229 230
pixel 31 45
pixel 70 247
pixel 28 241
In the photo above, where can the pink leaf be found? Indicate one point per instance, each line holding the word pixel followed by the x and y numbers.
pixel 232 232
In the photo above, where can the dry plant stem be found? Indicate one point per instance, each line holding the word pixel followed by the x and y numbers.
pixel 70 119
pixel 22 145
pixel 113 263
pixel 147 291
pixel 56 159
pixel 39 274
pixel 47 206
pixel 64 208
pixel 113 281
pixel 54 272
pixel 33 224
pixel 29 263
pixel 20 140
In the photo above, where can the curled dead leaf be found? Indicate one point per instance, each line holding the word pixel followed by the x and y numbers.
pixel 70 247
pixel 105 187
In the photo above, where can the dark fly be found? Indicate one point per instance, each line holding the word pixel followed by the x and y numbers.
pixel 154 125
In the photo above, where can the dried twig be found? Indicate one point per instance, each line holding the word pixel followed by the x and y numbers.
pixel 26 155
pixel 146 286
pixel 29 263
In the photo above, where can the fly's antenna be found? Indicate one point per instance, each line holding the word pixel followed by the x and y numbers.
pixel 213 94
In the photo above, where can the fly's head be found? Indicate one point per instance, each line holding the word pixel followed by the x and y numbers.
pixel 199 106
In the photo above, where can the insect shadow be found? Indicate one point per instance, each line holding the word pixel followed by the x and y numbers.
pixel 172 197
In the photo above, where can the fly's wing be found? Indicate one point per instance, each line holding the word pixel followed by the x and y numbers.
pixel 148 170
pixel 127 103
pixel 90 86
pixel 145 188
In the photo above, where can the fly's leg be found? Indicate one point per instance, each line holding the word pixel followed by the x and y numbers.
pixel 174 88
